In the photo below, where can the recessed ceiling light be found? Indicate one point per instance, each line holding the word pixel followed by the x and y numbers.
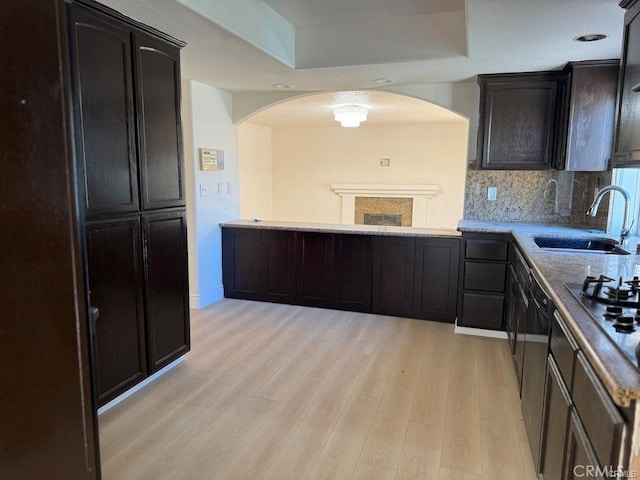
pixel 590 37
pixel 383 81
pixel 283 85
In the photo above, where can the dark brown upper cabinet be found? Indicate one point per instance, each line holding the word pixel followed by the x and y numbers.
pixel 127 107
pixel 562 120
pixel 587 116
pixel 627 142
pixel 157 68
pixel 104 113
pixel 518 120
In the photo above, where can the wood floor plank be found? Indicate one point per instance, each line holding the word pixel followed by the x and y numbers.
pixel 224 447
pixel 146 447
pixel 384 443
pixel 430 404
pixel 461 447
pixel 261 452
pixel 446 474
pixel 340 454
pixel 371 472
pixel 421 451
pixel 306 443
pixel 376 377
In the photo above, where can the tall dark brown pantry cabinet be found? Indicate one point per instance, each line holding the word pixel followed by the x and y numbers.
pixel 126 88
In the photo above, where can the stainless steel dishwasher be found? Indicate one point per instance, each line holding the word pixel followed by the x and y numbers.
pixel 536 347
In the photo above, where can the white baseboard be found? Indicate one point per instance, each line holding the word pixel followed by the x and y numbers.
pixel 139 386
pixel 198 301
pixel 480 332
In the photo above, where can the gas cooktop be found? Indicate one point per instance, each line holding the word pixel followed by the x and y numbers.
pixel 615 307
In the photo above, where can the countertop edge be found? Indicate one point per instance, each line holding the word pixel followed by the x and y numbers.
pixel 340 228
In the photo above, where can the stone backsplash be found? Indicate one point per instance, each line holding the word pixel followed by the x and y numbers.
pixel 547 196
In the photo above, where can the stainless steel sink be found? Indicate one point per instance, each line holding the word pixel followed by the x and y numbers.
pixel 581 244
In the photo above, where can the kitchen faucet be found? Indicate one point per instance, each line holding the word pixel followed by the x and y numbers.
pixel 545 194
pixel 593 209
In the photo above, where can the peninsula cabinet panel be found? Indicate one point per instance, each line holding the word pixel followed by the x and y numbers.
pixel 518 121
pixel 167 288
pixel 278 270
pixel 115 284
pixel 436 279
pixel 393 268
pixel 104 112
pixel 157 67
pixel 241 263
pixel 352 272
pixel 314 269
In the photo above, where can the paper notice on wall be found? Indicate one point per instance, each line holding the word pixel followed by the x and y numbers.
pixel 211 159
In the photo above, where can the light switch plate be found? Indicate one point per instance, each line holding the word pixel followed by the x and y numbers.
pixel 492 194
pixel 385 162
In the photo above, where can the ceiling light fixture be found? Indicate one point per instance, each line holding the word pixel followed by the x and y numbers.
pixel 283 85
pixel 590 37
pixel 350 116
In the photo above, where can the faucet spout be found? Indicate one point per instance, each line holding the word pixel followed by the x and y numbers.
pixel 593 209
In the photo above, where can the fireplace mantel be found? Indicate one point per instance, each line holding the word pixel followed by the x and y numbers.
pixel 419 193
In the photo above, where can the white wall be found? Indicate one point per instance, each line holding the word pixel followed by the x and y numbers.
pixel 207 123
pixel 255 155
pixel 306 161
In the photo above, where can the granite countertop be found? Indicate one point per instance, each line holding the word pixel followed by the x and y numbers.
pixel 338 228
pixel 555 268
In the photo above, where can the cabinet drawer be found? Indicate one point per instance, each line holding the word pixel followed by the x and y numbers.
pixel 487 249
pixel 482 311
pixel 600 417
pixel 563 348
pixel 485 277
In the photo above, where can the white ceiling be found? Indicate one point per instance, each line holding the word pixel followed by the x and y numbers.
pixel 501 36
pixel 343 45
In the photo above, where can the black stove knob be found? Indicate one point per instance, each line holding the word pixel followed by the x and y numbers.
pixel 613 311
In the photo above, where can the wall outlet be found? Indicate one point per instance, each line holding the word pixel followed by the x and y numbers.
pixel 204 190
pixel 492 194
pixel 384 162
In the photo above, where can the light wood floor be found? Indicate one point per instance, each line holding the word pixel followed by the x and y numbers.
pixel 282 392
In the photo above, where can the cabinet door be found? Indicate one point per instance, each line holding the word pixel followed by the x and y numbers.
pixel 436 279
pixel 522 311
pixel 627 149
pixel 602 421
pixel 557 407
pixel 166 287
pixel 104 114
pixel 314 269
pixel 480 310
pixel 352 272
pixel 511 320
pixel 588 133
pixel 518 120
pixel 392 283
pixel 277 269
pixel 581 461
pixel 241 263
pixel 157 69
pixel 115 284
